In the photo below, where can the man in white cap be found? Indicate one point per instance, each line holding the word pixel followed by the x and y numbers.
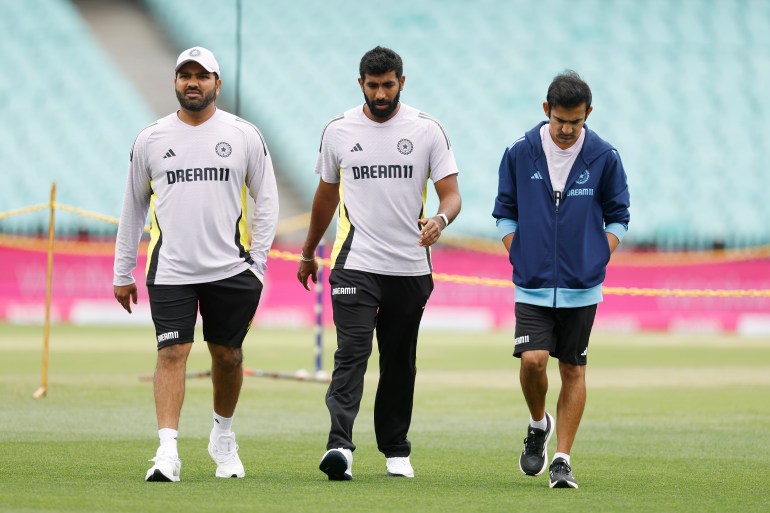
pixel 191 170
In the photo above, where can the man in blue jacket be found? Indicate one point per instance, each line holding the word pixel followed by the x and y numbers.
pixel 561 210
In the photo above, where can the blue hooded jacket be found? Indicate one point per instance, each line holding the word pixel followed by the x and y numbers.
pixel 560 253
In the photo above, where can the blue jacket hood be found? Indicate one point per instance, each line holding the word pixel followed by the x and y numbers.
pixel 593 145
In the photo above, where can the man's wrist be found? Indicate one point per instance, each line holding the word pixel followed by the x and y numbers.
pixel 444 218
pixel 303 258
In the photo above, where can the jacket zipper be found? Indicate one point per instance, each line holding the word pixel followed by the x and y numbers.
pixel 557 195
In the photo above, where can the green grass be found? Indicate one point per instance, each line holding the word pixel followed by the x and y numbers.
pixel 673 423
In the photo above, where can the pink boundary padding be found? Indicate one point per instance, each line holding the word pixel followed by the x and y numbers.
pixel 82 292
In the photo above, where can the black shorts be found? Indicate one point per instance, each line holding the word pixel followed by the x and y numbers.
pixel 563 332
pixel 227 308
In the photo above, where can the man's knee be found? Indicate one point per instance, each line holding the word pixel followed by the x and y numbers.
pixel 227 357
pixel 571 373
pixel 174 354
pixel 534 362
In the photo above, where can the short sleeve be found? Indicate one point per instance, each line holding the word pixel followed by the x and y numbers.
pixel 442 158
pixel 328 165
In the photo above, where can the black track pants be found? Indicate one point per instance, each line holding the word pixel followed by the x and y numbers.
pixel 393 305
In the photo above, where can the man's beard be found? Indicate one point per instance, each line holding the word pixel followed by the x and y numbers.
pixel 383 113
pixel 199 103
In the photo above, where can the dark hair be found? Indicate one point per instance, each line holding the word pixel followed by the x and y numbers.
pixel 378 61
pixel 568 90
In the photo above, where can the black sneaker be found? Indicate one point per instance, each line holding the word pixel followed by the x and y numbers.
pixel 337 464
pixel 535 454
pixel 561 474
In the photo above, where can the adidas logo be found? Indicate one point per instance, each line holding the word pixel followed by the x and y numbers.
pixel 170 153
pixel 357 147
pixel 536 176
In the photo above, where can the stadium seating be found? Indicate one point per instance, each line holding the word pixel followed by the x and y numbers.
pixel 68 116
pixel 678 89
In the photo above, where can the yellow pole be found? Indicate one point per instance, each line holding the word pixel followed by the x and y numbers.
pixel 41 392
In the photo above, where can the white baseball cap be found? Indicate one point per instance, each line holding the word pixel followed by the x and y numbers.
pixel 200 55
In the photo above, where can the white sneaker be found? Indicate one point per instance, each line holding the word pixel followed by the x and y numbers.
pixel 399 467
pixel 337 464
pixel 224 452
pixel 166 468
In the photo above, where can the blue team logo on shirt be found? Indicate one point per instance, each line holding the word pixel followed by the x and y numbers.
pixel 583 178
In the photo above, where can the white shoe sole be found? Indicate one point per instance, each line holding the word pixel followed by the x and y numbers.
pixel 392 474
pixel 156 475
pixel 563 483
pixel 227 475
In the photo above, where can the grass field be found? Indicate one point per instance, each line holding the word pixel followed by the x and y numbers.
pixel 673 423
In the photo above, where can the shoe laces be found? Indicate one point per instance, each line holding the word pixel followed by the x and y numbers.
pixel 164 455
pixel 533 443
pixel 225 447
pixel 561 467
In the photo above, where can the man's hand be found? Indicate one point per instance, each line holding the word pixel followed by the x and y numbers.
pixel 307 269
pixel 430 231
pixel 126 294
